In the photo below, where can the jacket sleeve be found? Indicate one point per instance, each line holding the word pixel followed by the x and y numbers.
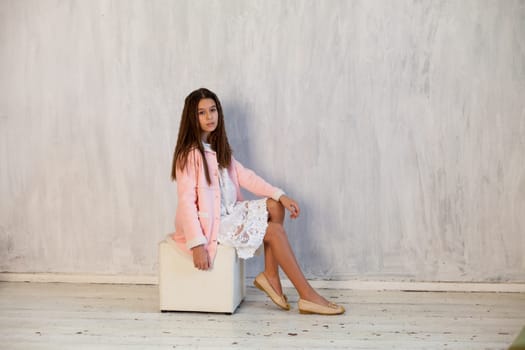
pixel 187 200
pixel 254 183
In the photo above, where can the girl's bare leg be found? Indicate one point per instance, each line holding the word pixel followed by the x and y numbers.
pixel 278 252
pixel 271 267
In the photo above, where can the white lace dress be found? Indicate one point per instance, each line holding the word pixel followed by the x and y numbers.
pixel 243 224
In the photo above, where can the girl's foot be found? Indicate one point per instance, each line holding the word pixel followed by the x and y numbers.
pixel 263 284
pixel 315 298
pixel 275 282
pixel 314 303
pixel 307 307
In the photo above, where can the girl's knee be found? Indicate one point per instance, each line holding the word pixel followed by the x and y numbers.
pixel 274 207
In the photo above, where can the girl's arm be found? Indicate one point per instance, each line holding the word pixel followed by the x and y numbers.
pixel 187 200
pixel 254 183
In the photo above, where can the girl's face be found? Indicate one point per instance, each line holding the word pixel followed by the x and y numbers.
pixel 208 117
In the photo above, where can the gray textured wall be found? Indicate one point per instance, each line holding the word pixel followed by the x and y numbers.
pixel 399 127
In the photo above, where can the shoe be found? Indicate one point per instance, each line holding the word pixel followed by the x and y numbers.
pixel 307 307
pixel 263 284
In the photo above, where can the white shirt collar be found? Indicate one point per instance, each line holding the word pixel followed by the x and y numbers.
pixel 207 147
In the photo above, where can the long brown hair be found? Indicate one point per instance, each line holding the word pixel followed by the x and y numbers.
pixel 190 135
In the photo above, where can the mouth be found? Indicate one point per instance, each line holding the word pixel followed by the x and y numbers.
pixel 210 125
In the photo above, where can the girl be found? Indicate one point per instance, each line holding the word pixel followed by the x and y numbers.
pixel 211 210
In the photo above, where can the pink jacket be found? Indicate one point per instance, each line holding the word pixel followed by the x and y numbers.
pixel 199 205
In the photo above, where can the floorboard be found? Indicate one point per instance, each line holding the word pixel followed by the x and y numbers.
pixel 88 316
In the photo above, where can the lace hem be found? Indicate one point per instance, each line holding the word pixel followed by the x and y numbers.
pixel 245 227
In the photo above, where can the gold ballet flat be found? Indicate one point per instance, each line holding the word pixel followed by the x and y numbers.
pixel 263 284
pixel 307 307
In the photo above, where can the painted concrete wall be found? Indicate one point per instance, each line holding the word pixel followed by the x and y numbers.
pixel 398 126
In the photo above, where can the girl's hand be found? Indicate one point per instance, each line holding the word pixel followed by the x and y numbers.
pixel 291 205
pixel 201 260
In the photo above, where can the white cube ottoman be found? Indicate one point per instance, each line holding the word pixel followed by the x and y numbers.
pixel 182 287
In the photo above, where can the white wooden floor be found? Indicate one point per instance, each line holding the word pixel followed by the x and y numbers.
pixel 88 316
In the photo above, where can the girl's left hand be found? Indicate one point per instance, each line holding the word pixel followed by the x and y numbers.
pixel 291 205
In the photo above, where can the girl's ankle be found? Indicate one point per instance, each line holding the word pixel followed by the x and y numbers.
pixel 275 282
